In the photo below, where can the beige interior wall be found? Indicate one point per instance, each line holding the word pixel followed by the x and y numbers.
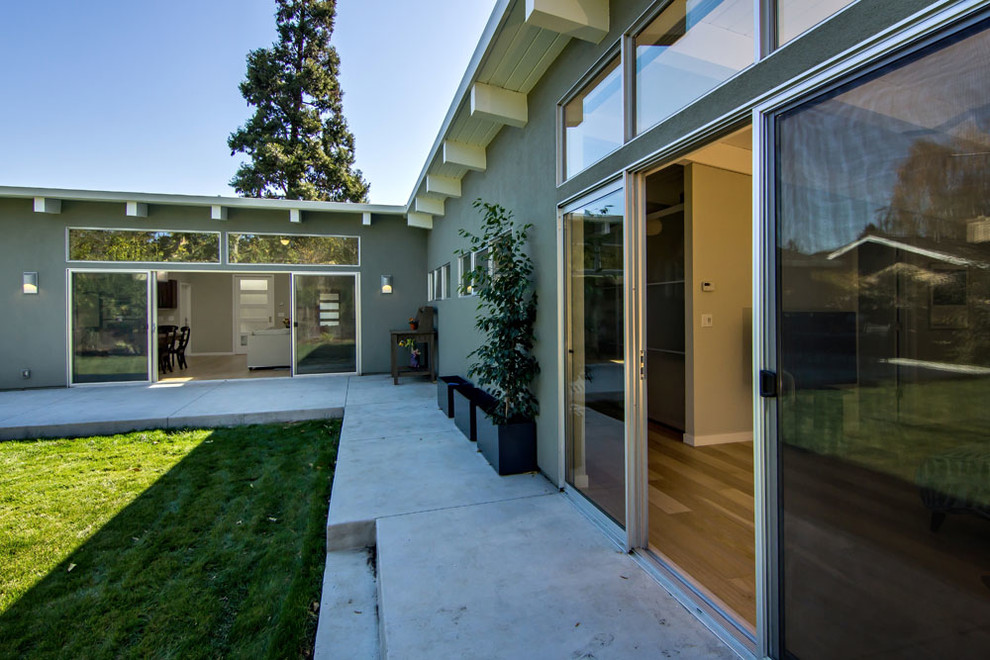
pixel 213 308
pixel 718 227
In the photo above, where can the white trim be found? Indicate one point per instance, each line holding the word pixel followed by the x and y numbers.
pixel 164 199
pixel 718 438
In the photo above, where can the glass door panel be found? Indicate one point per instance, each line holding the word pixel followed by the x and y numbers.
pixel 595 443
pixel 255 305
pixel 884 359
pixel 109 321
pixel 325 324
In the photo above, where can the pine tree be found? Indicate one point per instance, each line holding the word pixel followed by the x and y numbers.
pixel 298 140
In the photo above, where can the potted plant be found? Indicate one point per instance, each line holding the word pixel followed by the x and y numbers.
pixel 504 365
pixel 414 352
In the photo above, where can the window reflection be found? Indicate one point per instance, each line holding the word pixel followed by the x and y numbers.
pixel 883 207
pixel 593 120
pixel 796 16
pixel 596 390
pixel 686 51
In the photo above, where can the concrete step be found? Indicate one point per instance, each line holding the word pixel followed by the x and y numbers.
pixel 349 607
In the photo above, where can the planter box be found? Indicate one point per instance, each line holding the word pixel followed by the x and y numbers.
pixel 445 392
pixel 464 410
pixel 509 448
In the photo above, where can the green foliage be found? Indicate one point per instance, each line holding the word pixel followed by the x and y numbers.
pixel 298 140
pixel 504 363
pixel 268 249
pixel 159 544
pixel 143 246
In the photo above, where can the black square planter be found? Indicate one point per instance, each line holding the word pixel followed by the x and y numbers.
pixel 509 448
pixel 445 392
pixel 464 410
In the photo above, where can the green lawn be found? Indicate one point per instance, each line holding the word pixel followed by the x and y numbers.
pixel 155 544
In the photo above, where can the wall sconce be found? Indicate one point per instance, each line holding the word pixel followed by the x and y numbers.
pixel 29 283
pixel 386 284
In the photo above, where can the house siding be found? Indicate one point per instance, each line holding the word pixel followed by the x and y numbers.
pixel 36 242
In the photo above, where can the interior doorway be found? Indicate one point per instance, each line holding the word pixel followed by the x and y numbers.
pixel 698 347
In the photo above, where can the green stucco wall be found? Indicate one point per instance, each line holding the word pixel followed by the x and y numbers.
pixel 36 329
pixel 521 176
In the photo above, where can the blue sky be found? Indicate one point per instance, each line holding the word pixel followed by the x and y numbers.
pixel 140 96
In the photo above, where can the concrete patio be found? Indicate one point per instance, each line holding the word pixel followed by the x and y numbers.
pixel 433 555
pixel 430 553
pixel 77 411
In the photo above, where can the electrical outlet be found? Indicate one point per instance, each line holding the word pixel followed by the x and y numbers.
pixel 25 373
pixel 706 320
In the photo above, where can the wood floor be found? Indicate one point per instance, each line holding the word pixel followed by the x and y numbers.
pixel 218 367
pixel 702 516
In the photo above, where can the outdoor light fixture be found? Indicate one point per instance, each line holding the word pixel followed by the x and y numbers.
pixel 30 283
pixel 386 284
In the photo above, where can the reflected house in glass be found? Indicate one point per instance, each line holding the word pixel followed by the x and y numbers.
pixel 761 240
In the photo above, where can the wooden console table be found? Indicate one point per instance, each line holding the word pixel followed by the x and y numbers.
pixel 428 367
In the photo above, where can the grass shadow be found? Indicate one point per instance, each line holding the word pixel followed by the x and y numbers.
pixel 221 556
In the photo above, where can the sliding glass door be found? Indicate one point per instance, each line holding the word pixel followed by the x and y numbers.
pixel 883 230
pixel 109 322
pixel 325 324
pixel 595 394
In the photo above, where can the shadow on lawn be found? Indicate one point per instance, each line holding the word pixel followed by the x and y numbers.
pixel 222 555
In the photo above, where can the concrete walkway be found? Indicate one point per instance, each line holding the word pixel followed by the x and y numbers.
pixel 432 555
pixel 98 410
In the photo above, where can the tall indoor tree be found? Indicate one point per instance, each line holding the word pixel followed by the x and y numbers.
pixel 297 139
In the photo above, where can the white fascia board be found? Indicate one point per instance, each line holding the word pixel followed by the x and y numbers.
pixel 218 212
pixel 295 215
pixel 502 106
pixel 464 155
pixel 47 205
pixel 136 210
pixel 421 220
pixel 164 199
pixel 583 19
pixel 443 185
pixel 431 205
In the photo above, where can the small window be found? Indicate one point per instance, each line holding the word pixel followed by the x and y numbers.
pixel 446 280
pixel 593 120
pixel 429 286
pixel 795 17
pixel 141 246
pixel 465 262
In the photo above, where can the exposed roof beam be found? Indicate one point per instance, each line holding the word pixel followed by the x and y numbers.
pixel 583 19
pixel 443 185
pixel 218 212
pixel 421 220
pixel 136 210
pixel 431 205
pixel 47 205
pixel 366 219
pixel 295 215
pixel 502 106
pixel 464 155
